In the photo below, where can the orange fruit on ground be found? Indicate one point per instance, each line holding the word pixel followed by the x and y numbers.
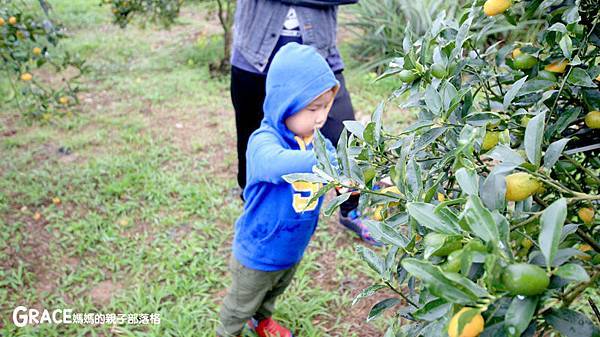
pixel 471 329
pixel 557 66
pixel 26 77
pixel 1 22
pixel 37 51
pixel 37 216
pixel 56 200
pixel 586 214
pixel 12 20
pixel 63 100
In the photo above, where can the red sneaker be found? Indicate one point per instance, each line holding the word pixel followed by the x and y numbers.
pixel 268 327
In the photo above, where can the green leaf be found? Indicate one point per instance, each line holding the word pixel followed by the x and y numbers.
pixel 566 45
pixel 565 119
pixel 512 92
pixel 572 272
pixel 432 310
pixel 369 133
pixel 308 177
pixel 554 151
pixel 323 155
pixel 462 36
pixel 571 15
pixel 383 232
pixel 468 181
pixel 367 292
pixel 388 72
pixel 427 138
pixel 376 118
pixel 483 118
pixel 433 329
pixel 336 202
pixel 447 215
pixel 551 222
pixel 433 101
pixel 320 193
pixel 480 220
pixel 562 256
pixel 437 283
pixel 519 315
pixel 424 214
pixel 535 86
pixel 580 78
pixel 505 155
pixel 373 260
pixel 534 134
pixel 356 128
pixel 571 323
pixel 342 153
pixel 369 173
pixel 558 27
pixel 406 41
pixel 448 94
pixel 382 306
pixel 414 182
pixel 591 97
pixel 503 229
pixel 457 100
pixel 494 186
pixel 447 240
pixel 467 284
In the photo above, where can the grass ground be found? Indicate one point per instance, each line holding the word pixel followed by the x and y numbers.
pixel 144 174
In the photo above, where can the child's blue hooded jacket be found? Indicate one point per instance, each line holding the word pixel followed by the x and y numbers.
pixel 274 229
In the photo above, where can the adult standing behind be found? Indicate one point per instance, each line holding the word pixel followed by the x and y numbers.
pixel 261 28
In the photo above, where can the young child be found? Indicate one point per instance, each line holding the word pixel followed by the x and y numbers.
pixel 278 222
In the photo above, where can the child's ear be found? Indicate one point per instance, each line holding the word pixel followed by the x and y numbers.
pixel 335 90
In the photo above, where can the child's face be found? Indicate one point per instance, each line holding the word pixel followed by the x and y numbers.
pixel 312 117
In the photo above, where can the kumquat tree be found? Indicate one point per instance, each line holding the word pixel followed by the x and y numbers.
pixel 488 203
pixel 29 41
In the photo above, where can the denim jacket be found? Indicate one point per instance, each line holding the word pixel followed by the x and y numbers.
pixel 258 23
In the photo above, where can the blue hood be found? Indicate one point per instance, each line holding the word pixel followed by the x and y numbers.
pixel 298 75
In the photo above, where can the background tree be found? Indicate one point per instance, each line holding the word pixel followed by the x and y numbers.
pixel 29 40
pixel 166 11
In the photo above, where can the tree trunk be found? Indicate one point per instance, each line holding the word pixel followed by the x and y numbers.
pixel 226 18
pixel 225 64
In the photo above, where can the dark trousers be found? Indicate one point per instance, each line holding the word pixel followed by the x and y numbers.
pixel 248 95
